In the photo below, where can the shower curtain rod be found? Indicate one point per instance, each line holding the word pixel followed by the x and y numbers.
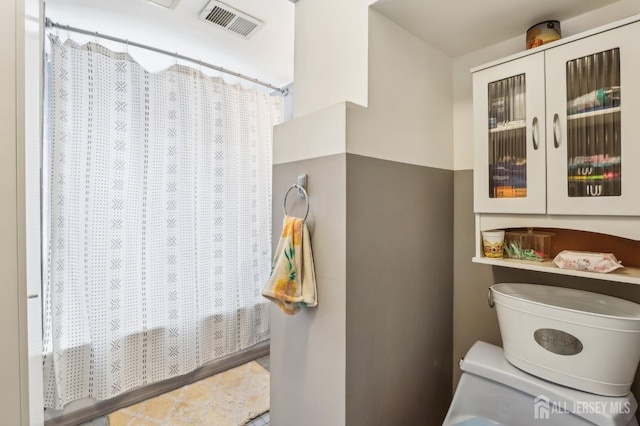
pixel 50 23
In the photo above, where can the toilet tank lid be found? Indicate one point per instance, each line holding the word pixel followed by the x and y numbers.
pixel 488 361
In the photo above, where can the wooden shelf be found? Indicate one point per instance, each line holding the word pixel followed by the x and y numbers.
pixel 626 275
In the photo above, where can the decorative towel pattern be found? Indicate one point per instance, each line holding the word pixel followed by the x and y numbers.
pixel 292 283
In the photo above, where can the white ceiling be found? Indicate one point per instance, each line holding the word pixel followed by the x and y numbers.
pixel 267 55
pixel 457 27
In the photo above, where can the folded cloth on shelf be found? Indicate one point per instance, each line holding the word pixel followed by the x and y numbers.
pixel 292 283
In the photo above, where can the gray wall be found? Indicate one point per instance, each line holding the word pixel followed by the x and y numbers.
pixel 377 349
pixel 473 320
pixel 399 293
pixel 308 349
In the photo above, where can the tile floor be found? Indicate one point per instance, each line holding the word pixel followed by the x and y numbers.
pixel 263 420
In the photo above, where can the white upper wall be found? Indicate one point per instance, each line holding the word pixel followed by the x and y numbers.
pixel 409 117
pixel 330 54
pixel 462 82
pixel 317 134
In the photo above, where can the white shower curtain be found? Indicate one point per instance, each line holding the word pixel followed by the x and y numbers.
pixel 158 191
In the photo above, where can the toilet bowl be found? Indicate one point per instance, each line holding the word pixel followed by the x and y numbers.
pixel 492 392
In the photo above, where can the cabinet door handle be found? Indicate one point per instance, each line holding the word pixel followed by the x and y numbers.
pixel 556 143
pixel 534 130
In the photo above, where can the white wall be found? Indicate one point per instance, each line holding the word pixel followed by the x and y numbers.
pixel 462 87
pixel 314 135
pixel 409 116
pixel 13 395
pixel 33 114
pixel 330 54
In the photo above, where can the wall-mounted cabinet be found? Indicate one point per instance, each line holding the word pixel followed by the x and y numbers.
pixel 557 131
pixel 557 142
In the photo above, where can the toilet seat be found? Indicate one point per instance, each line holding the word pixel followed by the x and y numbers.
pixel 485 365
pixel 476 421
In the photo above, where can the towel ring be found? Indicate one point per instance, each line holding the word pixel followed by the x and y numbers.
pixel 284 204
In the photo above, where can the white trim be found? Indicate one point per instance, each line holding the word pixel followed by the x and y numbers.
pixel 627 275
pixel 620 226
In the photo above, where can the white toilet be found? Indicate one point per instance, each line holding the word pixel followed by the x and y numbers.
pixel 569 358
pixel 491 391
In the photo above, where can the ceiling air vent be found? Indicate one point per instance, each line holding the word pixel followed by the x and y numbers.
pixel 225 16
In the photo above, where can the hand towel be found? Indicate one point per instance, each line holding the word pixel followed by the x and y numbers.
pixel 292 283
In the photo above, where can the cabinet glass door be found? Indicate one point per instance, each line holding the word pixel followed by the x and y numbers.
pixel 509 132
pixel 507 138
pixel 593 125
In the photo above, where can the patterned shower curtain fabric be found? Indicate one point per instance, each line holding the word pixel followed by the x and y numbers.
pixel 158 191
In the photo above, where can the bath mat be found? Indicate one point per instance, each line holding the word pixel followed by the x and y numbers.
pixel 230 398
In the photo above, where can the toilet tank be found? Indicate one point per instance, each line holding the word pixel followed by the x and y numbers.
pixel 491 391
pixel 583 340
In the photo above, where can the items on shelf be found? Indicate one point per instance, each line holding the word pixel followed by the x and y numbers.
pixel 606 97
pixel 528 245
pixel 509 178
pixel 507 138
pixel 593 125
pixel 587 261
pixel 493 243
